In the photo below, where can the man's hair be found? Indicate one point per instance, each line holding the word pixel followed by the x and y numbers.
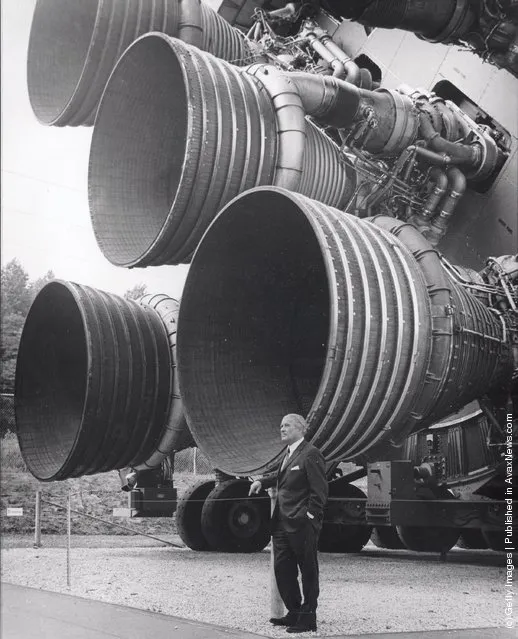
pixel 295 420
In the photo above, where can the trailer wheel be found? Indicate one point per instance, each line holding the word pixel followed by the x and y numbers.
pixel 386 537
pixel 337 535
pixel 188 515
pixel 472 538
pixel 494 539
pixel 428 538
pixel 233 522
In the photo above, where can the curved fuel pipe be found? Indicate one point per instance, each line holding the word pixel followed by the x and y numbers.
pixel 343 67
pixel 314 311
pixel 176 435
pixel 190 29
pixel 439 181
pixel 462 154
pixel 338 103
pixel 352 70
pixel 94 382
pixel 456 188
pixel 323 52
pixel 452 128
pixel 75 44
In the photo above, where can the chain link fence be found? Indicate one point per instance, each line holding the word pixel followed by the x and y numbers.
pixel 192 461
pixel 11 457
pixel 7 423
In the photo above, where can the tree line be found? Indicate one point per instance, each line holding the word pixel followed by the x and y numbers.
pixel 17 294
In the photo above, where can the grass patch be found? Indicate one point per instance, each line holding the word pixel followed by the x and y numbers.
pixel 96 495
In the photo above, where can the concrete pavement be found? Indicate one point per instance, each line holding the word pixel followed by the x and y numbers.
pixel 28 613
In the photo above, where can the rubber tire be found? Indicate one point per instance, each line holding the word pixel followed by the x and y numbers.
pixel 387 537
pixel 473 539
pixel 494 539
pixel 188 515
pixel 221 514
pixel 428 538
pixel 336 537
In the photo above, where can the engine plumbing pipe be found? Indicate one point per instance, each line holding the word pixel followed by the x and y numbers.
pixel 455 190
pixel 75 44
pixel 343 67
pixel 340 104
pixel 176 435
pixel 352 70
pixel 332 60
pixel 352 323
pixel 439 181
pixel 461 154
pixel 95 386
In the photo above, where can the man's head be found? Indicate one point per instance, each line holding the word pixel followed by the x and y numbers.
pixel 293 428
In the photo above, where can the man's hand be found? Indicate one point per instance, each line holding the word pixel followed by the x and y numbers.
pixel 255 488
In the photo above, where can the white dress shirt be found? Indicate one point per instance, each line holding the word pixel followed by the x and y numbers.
pixel 293 447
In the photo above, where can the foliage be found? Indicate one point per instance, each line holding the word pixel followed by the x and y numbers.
pixel 96 495
pixel 135 293
pixel 12 325
pixel 17 294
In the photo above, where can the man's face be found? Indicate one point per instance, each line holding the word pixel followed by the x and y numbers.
pixel 290 433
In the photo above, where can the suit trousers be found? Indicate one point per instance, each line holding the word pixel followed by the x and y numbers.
pixel 294 550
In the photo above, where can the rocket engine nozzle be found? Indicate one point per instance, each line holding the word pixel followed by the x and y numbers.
pixel 95 388
pixel 352 323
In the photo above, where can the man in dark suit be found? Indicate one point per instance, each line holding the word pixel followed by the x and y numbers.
pixel 296 523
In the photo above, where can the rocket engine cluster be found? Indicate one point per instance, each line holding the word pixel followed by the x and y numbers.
pixel 308 201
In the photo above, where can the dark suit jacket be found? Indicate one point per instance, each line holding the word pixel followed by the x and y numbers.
pixel 301 487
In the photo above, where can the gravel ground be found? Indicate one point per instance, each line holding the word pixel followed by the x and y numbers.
pixel 374 591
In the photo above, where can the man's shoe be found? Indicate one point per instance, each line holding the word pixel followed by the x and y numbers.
pixel 306 622
pixel 288 620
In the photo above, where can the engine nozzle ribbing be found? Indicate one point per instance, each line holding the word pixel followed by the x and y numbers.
pixel 94 388
pixel 161 169
pixel 74 45
pixel 313 311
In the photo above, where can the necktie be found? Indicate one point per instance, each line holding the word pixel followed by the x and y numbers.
pixel 286 460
